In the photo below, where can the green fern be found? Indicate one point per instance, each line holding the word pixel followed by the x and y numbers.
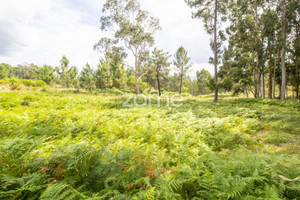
pixel 150 194
pixel 61 191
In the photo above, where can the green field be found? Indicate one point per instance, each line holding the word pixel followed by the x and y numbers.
pixel 65 145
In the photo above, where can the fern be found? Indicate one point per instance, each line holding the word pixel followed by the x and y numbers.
pixel 150 194
pixel 61 191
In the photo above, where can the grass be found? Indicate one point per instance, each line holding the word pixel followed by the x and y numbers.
pixel 63 145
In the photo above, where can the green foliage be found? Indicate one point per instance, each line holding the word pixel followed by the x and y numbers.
pixel 182 63
pixel 87 77
pixel 27 82
pixel 86 146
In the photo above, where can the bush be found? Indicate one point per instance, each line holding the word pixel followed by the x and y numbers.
pixel 26 82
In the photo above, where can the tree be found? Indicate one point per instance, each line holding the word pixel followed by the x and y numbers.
pixel 62 72
pixel 87 77
pixel 103 74
pixel 131 26
pixel 73 75
pixel 47 74
pixel 203 78
pixel 27 71
pixel 210 11
pixel 161 64
pixel 182 64
pixel 119 76
pixel 283 66
pixel 6 71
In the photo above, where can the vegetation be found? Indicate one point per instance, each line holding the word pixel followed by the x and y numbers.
pixel 59 145
pixel 66 134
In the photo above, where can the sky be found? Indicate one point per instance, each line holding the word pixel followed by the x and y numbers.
pixel 42 31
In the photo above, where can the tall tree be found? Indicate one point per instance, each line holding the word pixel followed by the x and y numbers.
pixel 212 12
pixel 182 63
pixel 161 64
pixel 62 72
pixel 131 26
pixel 283 66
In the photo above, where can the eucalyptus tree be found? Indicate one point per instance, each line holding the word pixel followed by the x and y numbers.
pixel 212 12
pixel 161 64
pixel 182 64
pixel 130 26
pixel 252 23
pixel 283 52
pixel 293 17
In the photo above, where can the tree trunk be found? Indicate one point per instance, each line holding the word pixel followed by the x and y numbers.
pixel 257 61
pixel 258 82
pixel 158 83
pixel 255 87
pixel 136 75
pixel 279 91
pixel 270 83
pixel 181 76
pixel 215 51
pixel 286 92
pixel 274 78
pixel 283 84
pixel 297 83
pixel 263 85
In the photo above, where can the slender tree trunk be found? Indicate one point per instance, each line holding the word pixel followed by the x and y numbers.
pixel 255 87
pixel 286 92
pixel 297 82
pixel 283 84
pixel 258 82
pixel 136 75
pixel 257 61
pixel 274 77
pixel 181 76
pixel 279 91
pixel 270 83
pixel 158 83
pixel 215 51
pixel 263 94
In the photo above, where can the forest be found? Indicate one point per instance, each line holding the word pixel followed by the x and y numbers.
pixel 65 133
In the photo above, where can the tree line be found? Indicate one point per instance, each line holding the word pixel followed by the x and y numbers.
pixel 261 55
pixel 262 36
pixel 111 72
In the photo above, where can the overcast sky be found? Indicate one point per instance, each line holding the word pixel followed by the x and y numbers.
pixel 42 31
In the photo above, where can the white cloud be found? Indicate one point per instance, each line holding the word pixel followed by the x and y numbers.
pixel 40 32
